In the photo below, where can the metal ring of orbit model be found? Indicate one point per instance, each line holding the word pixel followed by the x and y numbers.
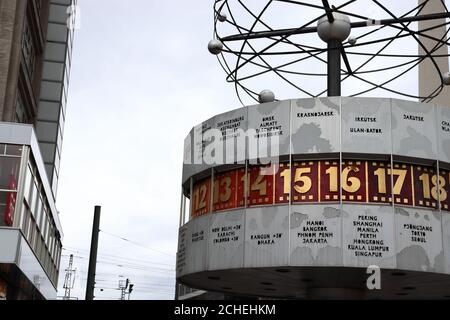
pixel 254 59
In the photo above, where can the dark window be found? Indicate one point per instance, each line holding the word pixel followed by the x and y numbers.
pixel 28 50
pixel 9 172
pixel 21 116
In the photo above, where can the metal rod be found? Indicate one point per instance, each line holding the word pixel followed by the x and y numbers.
pixel 328 11
pixel 346 60
pixel 334 68
pixel 93 255
pixel 361 24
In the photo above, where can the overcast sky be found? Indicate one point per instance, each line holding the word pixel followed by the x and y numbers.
pixel 141 78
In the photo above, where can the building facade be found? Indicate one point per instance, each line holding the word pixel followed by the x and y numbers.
pixel 35 56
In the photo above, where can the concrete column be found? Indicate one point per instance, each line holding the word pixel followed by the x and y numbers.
pixel 12 15
pixel 428 78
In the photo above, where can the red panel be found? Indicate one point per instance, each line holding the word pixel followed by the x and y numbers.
pixel 402 189
pixel 201 198
pixel 380 182
pixel 329 181
pixel 282 183
pixel 261 186
pixel 240 189
pixel 424 187
pixel 8 214
pixel 354 186
pixel 305 182
pixel 313 182
pixel 224 191
pixel 445 195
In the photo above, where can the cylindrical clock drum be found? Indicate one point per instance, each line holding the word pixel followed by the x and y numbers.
pixel 297 198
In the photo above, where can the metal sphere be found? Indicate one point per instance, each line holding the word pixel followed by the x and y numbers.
pixel 266 96
pixel 222 17
pixel 447 78
pixel 338 30
pixel 215 46
pixel 352 40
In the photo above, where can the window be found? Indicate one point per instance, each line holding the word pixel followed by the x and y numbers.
pixel 37 243
pixel 37 222
pixel 34 196
pixel 47 233
pixel 22 217
pixel 7 207
pixel 9 174
pixel 27 186
pixel 13 150
pixel 30 231
pixel 35 239
pixel 21 115
pixel 38 211
pixel 26 220
pixel 47 262
pixel 44 228
pixel 28 50
pixel 59 256
pixel 51 242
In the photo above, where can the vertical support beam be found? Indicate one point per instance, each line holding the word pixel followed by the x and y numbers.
pixel 428 81
pixel 93 255
pixel 334 69
pixel 181 209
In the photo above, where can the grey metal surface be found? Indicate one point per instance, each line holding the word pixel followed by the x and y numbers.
pixel 411 239
pixel 316 235
pixel 419 240
pixel 316 125
pixel 334 68
pixel 8 253
pixel 414 129
pixel 446 240
pixel 233 126
pixel 266 237
pixel 208 137
pixel 197 150
pixel 366 125
pixel 443 127
pixel 313 265
pixel 197 241
pixel 31 267
pixel 271 234
pixel 272 119
pixel 369 126
pixel 322 283
pixel 182 251
pixel 18 252
pixel 226 240
pixel 368 236
pixel 188 155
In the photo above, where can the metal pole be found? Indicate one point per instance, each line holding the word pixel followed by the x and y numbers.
pixel 306 30
pixel 176 289
pixel 93 255
pixel 334 68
